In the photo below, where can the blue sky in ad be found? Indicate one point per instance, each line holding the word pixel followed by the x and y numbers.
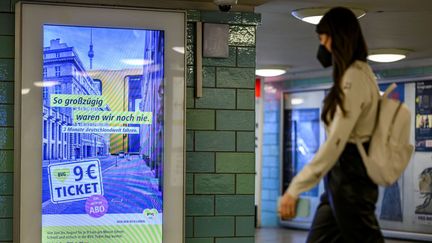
pixel 113 48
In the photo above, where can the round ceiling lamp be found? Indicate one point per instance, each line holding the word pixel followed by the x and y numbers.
pixel 387 55
pixel 314 15
pixel 270 72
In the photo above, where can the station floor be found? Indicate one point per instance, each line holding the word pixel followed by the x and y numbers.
pixel 283 235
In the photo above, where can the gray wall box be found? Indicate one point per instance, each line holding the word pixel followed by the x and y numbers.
pixel 216 40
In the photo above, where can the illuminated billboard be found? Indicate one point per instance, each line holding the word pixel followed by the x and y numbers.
pixel 102 134
pixel 99 125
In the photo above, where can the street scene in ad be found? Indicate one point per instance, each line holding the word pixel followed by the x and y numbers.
pixel 102 134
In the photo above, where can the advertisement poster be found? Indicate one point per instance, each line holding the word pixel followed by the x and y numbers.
pixel 391 204
pixel 301 142
pixel 102 134
pixel 423 195
pixel 423 119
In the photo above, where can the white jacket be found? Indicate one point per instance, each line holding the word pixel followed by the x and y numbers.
pixel 361 102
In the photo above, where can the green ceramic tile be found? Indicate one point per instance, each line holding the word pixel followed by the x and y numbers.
pixel 221 17
pixel 235 77
pixel 245 184
pixel 189 183
pixel 6 93
pixel 235 205
pixel 191 32
pixel 7 23
pixel 200 162
pixel 246 141
pixel 7 46
pixel 214 184
pixel 214 226
pixel 189 226
pixel 6 230
pixel 214 141
pixel 6 138
pixel 197 205
pixel 6 69
pixel 250 18
pixel 6 184
pixel 246 99
pixel 235 162
pixel 6 160
pixel 200 119
pixel 190 141
pixel 245 226
pixel 246 57
pixel 199 240
pixel 235 240
pixel 6 206
pixel 190 54
pixel 209 76
pixel 242 35
pixel 190 76
pixel 6 115
pixel 193 15
pixel 235 120
pixel 217 99
pixel 5 6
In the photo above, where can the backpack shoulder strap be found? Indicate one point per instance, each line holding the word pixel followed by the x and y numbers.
pixel 360 147
pixel 389 89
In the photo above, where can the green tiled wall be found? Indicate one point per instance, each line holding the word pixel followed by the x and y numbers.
pixel 200 205
pixel 236 240
pixel 214 98
pixel 215 141
pixel 229 77
pixel 235 120
pixel 235 205
pixel 214 184
pixel 7 25
pixel 6 229
pixel 200 162
pixel 6 69
pixel 220 161
pixel 216 226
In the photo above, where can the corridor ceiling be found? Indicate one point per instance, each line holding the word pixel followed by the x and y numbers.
pixel 283 40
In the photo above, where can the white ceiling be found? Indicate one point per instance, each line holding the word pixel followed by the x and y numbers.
pixel 284 40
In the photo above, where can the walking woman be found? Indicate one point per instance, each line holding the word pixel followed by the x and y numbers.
pixel 346 212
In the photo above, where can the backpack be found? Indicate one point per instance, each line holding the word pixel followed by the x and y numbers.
pixel 389 149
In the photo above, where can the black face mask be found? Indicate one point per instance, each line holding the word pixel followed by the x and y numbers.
pixel 324 56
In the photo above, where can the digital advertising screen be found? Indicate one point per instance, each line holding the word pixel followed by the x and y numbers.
pixel 301 142
pixel 102 134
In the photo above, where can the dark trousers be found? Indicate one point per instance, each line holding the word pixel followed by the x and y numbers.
pixel 346 213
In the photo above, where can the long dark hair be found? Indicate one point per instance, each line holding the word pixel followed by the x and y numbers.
pixel 348 45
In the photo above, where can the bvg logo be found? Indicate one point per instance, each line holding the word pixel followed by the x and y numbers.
pixel 150 213
pixel 61 174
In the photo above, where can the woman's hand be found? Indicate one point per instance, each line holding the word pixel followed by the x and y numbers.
pixel 287 206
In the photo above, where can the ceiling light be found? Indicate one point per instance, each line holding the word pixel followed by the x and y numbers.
pixel 314 15
pixel 387 55
pixel 270 72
